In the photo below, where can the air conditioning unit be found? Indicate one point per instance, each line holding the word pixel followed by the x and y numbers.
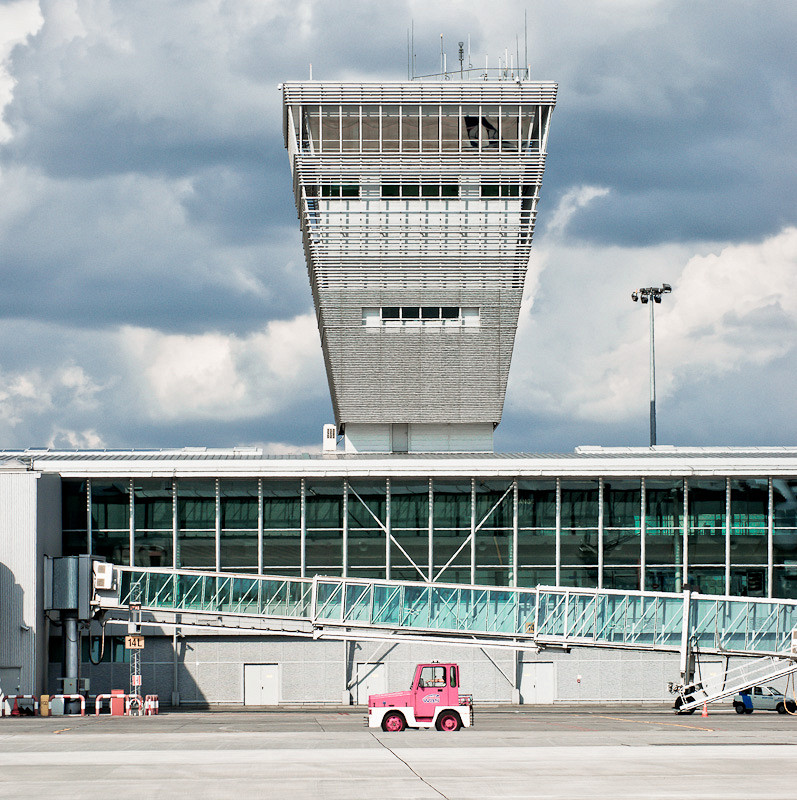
pixel 103 576
pixel 330 440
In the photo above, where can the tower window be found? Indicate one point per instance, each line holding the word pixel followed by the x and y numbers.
pixel 415 191
pixel 421 316
pixel 494 190
pixel 336 190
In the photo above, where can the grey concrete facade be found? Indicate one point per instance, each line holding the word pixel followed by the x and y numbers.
pixel 210 670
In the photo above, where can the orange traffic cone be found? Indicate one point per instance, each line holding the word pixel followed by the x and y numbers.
pixel 15 709
pixel 705 710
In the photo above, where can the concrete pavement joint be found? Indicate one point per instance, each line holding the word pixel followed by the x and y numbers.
pixel 423 780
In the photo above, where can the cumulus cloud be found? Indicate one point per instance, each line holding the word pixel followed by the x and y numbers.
pixel 154 289
pixel 570 202
pixel 18 20
pixel 730 310
pixel 224 377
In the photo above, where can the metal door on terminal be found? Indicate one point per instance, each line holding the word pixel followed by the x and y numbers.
pixel 371 679
pixel 261 684
pixel 536 682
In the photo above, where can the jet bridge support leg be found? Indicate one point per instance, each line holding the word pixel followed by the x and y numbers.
pixel 687 654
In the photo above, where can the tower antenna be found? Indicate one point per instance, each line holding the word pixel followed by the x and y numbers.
pixel 526 41
pixel 412 24
pixel 517 55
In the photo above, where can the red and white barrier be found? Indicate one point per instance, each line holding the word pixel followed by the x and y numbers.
pixel 15 712
pixel 134 700
pixel 150 705
pixel 72 697
pixel 98 703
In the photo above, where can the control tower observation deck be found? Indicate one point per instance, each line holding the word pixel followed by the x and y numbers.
pixel 417 202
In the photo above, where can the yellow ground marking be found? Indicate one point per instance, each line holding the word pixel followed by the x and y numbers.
pixel 648 722
pixel 62 730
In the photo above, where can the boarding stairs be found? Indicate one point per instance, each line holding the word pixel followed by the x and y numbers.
pixel 719 685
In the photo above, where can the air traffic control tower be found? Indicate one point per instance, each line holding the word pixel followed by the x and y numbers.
pixel 417 203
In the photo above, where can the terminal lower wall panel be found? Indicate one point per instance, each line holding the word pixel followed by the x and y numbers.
pixel 211 670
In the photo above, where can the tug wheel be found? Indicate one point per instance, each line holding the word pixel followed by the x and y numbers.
pixel 393 722
pixel 449 721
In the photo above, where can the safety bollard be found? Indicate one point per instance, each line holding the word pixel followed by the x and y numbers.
pixel 98 703
pixel 134 700
pixel 705 710
pixel 74 697
pixel 16 711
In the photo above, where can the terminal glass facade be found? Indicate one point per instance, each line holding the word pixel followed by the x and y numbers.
pixel 715 535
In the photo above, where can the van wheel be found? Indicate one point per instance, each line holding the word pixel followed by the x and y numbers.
pixel 393 722
pixel 449 721
pixel 739 708
pixel 780 708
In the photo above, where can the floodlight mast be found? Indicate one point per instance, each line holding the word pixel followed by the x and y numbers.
pixel 652 295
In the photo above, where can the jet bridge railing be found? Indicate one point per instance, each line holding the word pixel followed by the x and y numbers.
pixel 216 593
pixel 544 616
pixel 442 608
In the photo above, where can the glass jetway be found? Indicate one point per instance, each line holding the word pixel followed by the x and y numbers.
pixel 542 616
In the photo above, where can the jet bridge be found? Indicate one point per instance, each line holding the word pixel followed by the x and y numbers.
pixel 517 618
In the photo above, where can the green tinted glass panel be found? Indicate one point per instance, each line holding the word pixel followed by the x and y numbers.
pixel 579 577
pixel 621 578
pixel 73 505
pixel 579 504
pixel 196 504
pixel 324 504
pixel 494 504
pixel 749 582
pixel 707 580
pixel 536 504
pixel 579 547
pixel 239 550
pixel 621 546
pixel 367 504
pixel 153 549
pixel 409 504
pixel 282 551
pixel 282 505
pixel 238 505
pixel 110 505
pixel 153 505
pixel 664 504
pixel 113 546
pixel 749 503
pixel 537 547
pixel 622 504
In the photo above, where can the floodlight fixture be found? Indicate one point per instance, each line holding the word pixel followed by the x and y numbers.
pixel 645 295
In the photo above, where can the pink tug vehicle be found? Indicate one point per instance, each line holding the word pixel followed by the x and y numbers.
pixel 433 701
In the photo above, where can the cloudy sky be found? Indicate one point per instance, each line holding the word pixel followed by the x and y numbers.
pixel 154 292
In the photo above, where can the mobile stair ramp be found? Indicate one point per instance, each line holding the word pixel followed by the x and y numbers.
pixel 723 684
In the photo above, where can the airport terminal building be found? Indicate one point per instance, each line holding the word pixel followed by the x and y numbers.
pixel 417 203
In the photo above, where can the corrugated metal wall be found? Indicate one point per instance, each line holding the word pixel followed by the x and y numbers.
pixel 18 581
